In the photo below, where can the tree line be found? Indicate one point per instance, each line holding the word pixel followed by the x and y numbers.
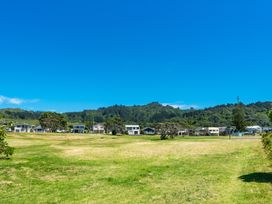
pixel 153 113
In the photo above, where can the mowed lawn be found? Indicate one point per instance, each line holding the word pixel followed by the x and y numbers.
pixel 48 168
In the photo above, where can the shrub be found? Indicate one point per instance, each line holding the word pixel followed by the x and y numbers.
pixel 4 148
pixel 267 144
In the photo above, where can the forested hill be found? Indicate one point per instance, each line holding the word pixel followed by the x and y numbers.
pixel 154 112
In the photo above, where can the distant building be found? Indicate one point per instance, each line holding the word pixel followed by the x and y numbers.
pixel 201 131
pixel 8 129
pixel 267 129
pixel 149 131
pixel 61 131
pixel 39 129
pixel 23 128
pixel 183 132
pixel 78 129
pixel 133 129
pixel 254 129
pixel 99 128
pixel 223 131
pixel 213 131
pixel 207 131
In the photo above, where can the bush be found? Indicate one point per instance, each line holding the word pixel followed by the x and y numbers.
pixel 267 144
pixel 4 148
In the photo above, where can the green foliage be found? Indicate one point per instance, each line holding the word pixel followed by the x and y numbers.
pixel 267 144
pixel 239 117
pixel 114 125
pixel 150 114
pixel 168 130
pixel 270 115
pixel 52 121
pixel 5 149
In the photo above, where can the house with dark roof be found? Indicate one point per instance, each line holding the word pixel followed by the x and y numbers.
pixel 149 131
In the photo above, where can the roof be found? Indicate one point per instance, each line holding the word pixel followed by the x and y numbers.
pixel 149 128
pixel 254 127
pixel 132 126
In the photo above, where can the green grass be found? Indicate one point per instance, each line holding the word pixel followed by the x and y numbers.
pixel 48 168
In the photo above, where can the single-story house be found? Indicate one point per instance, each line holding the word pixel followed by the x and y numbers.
pixel 98 128
pixel 267 129
pixel 223 131
pixel 183 132
pixel 61 131
pixel 133 129
pixel 8 129
pixel 213 131
pixel 149 131
pixel 201 131
pixel 78 129
pixel 207 131
pixel 22 128
pixel 38 129
pixel 254 129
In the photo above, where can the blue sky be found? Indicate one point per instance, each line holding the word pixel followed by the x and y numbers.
pixel 75 55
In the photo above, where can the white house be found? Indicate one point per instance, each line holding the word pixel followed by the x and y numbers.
pixel 98 128
pixel 78 129
pixel 133 129
pixel 213 131
pixel 254 129
pixel 22 128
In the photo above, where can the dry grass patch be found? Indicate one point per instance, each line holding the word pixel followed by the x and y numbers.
pixel 150 149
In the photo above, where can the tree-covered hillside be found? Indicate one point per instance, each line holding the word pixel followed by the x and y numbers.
pixel 153 113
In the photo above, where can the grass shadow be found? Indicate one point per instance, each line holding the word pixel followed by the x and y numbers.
pixel 5 158
pixel 258 177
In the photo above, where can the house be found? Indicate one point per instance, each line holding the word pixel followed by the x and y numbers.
pixel 267 129
pixel 254 129
pixel 213 131
pixel 8 129
pixel 78 129
pixel 38 129
pixel 133 129
pixel 207 131
pixel 99 128
pixel 149 131
pixel 200 131
pixel 61 131
pixel 23 128
pixel 223 131
pixel 183 132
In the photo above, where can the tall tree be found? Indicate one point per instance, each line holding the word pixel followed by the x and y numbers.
pixel 239 117
pixel 4 147
pixel 168 130
pixel 52 121
pixel 114 125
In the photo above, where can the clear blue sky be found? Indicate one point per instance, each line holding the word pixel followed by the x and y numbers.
pixel 74 55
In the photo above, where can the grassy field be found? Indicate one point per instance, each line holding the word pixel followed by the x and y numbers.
pixel 121 169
